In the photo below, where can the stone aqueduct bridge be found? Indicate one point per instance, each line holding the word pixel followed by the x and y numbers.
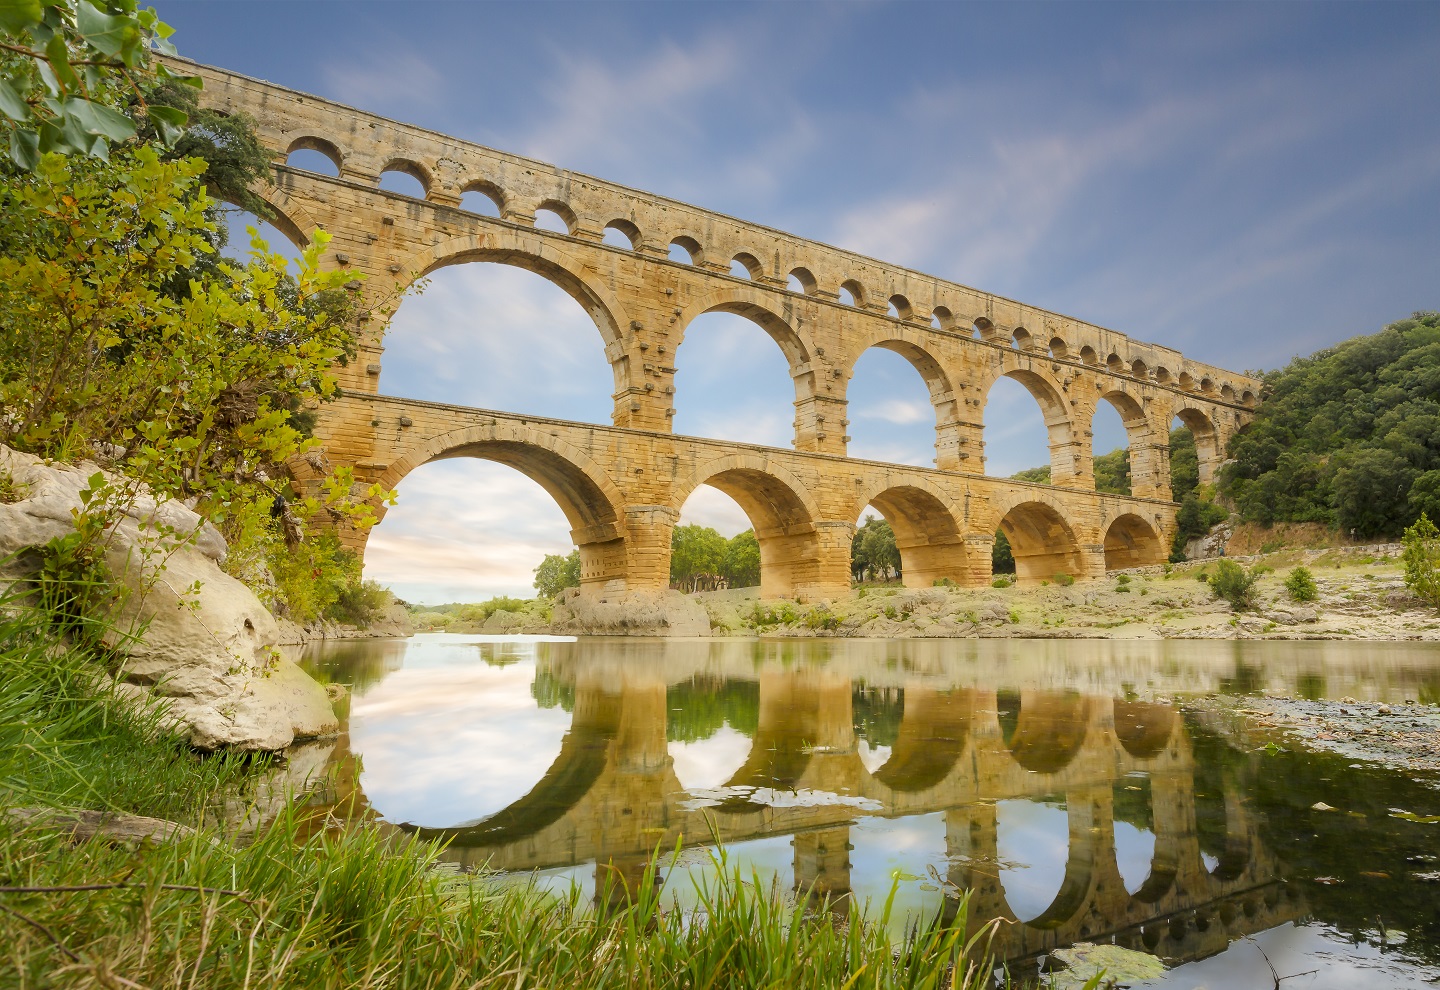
pixel 611 796
pixel 622 486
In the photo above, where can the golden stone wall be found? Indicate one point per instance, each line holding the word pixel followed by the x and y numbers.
pixel 623 486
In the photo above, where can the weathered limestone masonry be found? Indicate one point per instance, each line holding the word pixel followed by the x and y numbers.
pixel 622 487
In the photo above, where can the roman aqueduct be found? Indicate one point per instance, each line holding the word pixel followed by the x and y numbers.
pixel 622 486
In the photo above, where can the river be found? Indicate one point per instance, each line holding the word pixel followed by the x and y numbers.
pixel 1064 783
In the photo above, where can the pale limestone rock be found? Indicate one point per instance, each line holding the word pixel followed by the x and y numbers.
pixel 639 613
pixel 208 656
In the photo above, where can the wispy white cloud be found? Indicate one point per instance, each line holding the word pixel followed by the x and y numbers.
pixel 393 79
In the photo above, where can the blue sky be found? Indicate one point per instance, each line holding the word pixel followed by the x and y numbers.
pixel 1245 182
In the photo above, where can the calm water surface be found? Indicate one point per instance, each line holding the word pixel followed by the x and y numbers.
pixel 1062 782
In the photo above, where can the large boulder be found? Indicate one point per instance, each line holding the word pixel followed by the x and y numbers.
pixel 191 636
pixel 637 613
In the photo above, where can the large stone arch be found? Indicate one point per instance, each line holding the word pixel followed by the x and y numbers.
pixel 1042 539
pixel 1199 419
pixel 1132 541
pixel 541 254
pixel 928 532
pixel 910 345
pixel 1065 454
pixel 779 506
pixel 592 504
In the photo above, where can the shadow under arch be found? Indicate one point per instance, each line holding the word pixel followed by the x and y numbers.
pixel 591 502
pixel 1041 541
pixel 1044 730
pixel 934 732
pixel 781 510
pixel 927 534
pixel 1130 541
pixel 584 755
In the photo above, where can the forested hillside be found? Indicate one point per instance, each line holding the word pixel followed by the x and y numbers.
pixel 1349 436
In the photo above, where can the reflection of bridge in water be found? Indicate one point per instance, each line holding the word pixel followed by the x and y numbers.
pixel 612 795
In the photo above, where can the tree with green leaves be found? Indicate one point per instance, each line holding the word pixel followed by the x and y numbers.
pixel 556 573
pixel 742 560
pixel 1421 556
pixel 695 550
pixel 68 70
pixel 873 554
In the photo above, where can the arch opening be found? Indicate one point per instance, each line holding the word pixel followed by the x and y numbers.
pixel 713 547
pixel 747 266
pixel 942 319
pixel 1194 452
pixel 471 339
pixel 782 522
pixel 852 293
pixel 1026 427
pixel 726 362
pixel 1130 541
pixel 555 217
pixel 281 236
pixel 622 234
pixel 406 178
pixel 483 199
pixel 927 542
pixel 1059 349
pixel 1117 428
pixel 891 418
pixel 685 250
pixel 899 308
pixel 1041 543
pixel 314 154
pixel 800 280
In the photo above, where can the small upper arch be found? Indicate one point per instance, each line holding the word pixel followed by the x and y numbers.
pixel 561 210
pixel 1247 398
pixel 942 319
pixel 802 281
pixel 692 254
pixel 624 230
pixel 1088 356
pixel 900 307
pixel 309 142
pixel 1163 376
pixel 854 290
pixel 1227 392
pixel 1139 369
pixel 1115 364
pixel 1186 381
pixel 1058 348
pixel 479 195
pixel 407 166
pixel 746 265
pixel 1021 339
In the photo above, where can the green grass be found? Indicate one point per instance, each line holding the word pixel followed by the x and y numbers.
pixel 301 903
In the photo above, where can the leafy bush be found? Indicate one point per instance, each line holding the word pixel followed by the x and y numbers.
pixel 1122 579
pixel 1000 582
pixel 1422 560
pixel 1064 580
pixel 360 604
pixel 820 617
pixel 556 573
pixel 1198 514
pixel 1300 585
pixel 1234 584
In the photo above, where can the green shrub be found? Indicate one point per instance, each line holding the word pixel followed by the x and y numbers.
pixel 360 604
pixel 1422 559
pixel 1122 579
pixel 820 617
pixel 1300 585
pixel 1234 584
pixel 1000 582
pixel 1064 580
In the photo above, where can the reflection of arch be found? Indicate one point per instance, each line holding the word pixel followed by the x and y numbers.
pixel 781 509
pixel 933 734
pixel 583 758
pixel 1041 541
pixel 591 502
pixel 1144 728
pixel 931 546
pixel 1130 541
pixel 1044 730
pixel 546 258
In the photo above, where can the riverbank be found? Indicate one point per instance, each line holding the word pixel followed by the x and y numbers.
pixel 1361 595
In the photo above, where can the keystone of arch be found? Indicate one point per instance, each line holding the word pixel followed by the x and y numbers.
pixel 536 253
pixel 590 523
